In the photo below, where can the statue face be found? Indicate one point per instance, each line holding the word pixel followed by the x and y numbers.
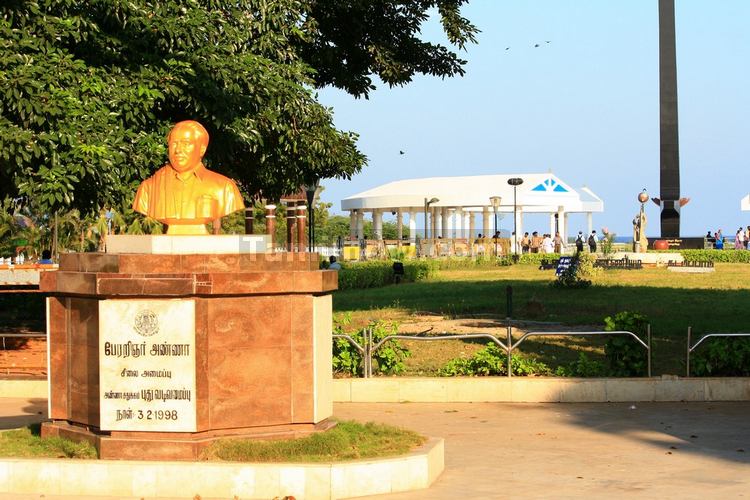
pixel 186 149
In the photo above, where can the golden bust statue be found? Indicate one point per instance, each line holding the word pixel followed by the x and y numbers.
pixel 184 194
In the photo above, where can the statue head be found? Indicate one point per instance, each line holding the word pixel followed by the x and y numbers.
pixel 188 141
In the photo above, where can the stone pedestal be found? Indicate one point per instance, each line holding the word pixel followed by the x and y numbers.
pixel 261 347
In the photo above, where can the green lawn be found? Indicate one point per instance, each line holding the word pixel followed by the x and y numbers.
pixel 715 302
pixel 27 443
pixel 349 440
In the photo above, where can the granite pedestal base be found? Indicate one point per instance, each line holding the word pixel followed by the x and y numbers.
pixel 170 445
pixel 262 345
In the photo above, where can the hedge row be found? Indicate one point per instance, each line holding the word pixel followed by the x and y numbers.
pixel 448 263
pixel 537 258
pixel 711 255
pixel 376 273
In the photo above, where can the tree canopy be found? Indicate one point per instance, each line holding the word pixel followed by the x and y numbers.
pixel 355 39
pixel 90 88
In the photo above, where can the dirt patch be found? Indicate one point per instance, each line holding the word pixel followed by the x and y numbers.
pixel 23 357
pixel 428 357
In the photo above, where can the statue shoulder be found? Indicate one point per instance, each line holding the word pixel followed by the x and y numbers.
pixel 217 178
pixel 152 178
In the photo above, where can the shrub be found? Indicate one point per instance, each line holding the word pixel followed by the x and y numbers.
pixel 375 273
pixel 722 357
pixel 574 275
pixel 582 367
pixel 388 360
pixel 586 267
pixel 626 357
pixel 608 243
pixel 493 361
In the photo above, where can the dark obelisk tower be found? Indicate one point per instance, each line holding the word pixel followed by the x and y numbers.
pixel 670 151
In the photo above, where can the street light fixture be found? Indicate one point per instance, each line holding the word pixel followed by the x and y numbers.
pixel 427 204
pixel 312 191
pixel 495 201
pixel 515 182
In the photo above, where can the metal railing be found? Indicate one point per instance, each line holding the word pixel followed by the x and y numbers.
pixel 646 345
pixel 692 347
pixel 369 348
pixel 21 336
pixel 22 369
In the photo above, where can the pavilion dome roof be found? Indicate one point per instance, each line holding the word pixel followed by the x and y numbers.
pixel 543 192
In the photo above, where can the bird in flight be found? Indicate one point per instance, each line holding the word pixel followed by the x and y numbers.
pixel 400 152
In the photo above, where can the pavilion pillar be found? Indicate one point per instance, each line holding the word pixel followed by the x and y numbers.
pixel 413 226
pixel 459 223
pixel 472 225
pixel 590 221
pixel 519 224
pixel 353 225
pixel 399 226
pixel 433 222
pixel 562 224
pixel 360 225
pixel 447 223
pixel 565 228
pixel 377 223
pixel 552 224
pixel 485 221
pixel 468 219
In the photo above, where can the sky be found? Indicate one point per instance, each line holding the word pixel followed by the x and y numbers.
pixel 585 106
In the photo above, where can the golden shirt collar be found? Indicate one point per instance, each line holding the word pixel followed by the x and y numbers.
pixel 199 172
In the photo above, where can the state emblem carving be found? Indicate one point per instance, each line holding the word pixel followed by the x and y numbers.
pixel 146 323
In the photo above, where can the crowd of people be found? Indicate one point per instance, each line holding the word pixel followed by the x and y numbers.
pixel 546 243
pixel 741 239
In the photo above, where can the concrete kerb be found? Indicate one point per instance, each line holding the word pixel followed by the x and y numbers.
pixel 32 389
pixel 416 470
pixel 539 390
pixel 501 389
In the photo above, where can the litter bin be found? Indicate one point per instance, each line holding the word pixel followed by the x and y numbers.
pixel 398 271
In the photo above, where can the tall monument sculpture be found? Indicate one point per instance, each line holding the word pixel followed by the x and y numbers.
pixel 184 194
pixel 669 160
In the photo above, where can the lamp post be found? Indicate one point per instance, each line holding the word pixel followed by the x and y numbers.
pixel 639 224
pixel 311 192
pixel 515 182
pixel 495 202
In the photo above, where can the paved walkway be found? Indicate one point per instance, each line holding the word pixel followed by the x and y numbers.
pixel 597 450
pixel 602 450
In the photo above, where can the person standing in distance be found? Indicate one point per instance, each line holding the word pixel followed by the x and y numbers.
pixel 592 241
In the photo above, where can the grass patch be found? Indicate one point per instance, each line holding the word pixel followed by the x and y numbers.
pixel 347 441
pixel 27 443
pixel 715 302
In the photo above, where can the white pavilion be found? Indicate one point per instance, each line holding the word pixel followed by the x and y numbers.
pixel 454 203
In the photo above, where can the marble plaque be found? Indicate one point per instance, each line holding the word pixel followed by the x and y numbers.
pixel 147 365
